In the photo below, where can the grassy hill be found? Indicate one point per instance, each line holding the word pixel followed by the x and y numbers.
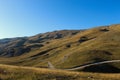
pixel 65 49
pixel 8 72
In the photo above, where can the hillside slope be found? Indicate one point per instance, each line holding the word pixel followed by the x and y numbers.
pixel 66 49
pixel 8 72
pixel 11 47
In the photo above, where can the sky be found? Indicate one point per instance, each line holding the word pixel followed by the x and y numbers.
pixel 20 18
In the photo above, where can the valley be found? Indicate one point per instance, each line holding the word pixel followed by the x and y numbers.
pixel 78 53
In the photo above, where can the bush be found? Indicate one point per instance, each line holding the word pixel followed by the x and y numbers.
pixel 68 45
pixel 82 39
pixel 104 29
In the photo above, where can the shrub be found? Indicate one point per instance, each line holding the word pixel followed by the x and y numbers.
pixel 104 29
pixel 82 39
pixel 68 45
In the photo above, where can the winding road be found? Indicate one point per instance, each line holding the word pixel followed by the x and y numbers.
pixel 92 64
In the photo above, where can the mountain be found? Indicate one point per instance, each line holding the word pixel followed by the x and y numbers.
pixel 11 47
pixel 65 49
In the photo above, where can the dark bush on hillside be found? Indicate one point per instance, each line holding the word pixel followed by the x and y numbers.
pixel 82 39
pixel 104 29
pixel 68 45
pixel 47 42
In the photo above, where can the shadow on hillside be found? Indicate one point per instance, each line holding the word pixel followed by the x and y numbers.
pixel 104 68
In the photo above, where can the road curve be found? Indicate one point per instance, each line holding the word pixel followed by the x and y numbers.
pixel 92 64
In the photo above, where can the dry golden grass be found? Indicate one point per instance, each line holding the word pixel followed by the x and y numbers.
pixel 8 72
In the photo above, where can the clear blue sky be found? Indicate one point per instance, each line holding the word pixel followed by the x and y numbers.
pixel 30 17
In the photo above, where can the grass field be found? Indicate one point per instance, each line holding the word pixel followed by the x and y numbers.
pixel 8 72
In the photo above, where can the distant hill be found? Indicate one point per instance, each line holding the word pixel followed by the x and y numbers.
pixel 11 47
pixel 65 49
